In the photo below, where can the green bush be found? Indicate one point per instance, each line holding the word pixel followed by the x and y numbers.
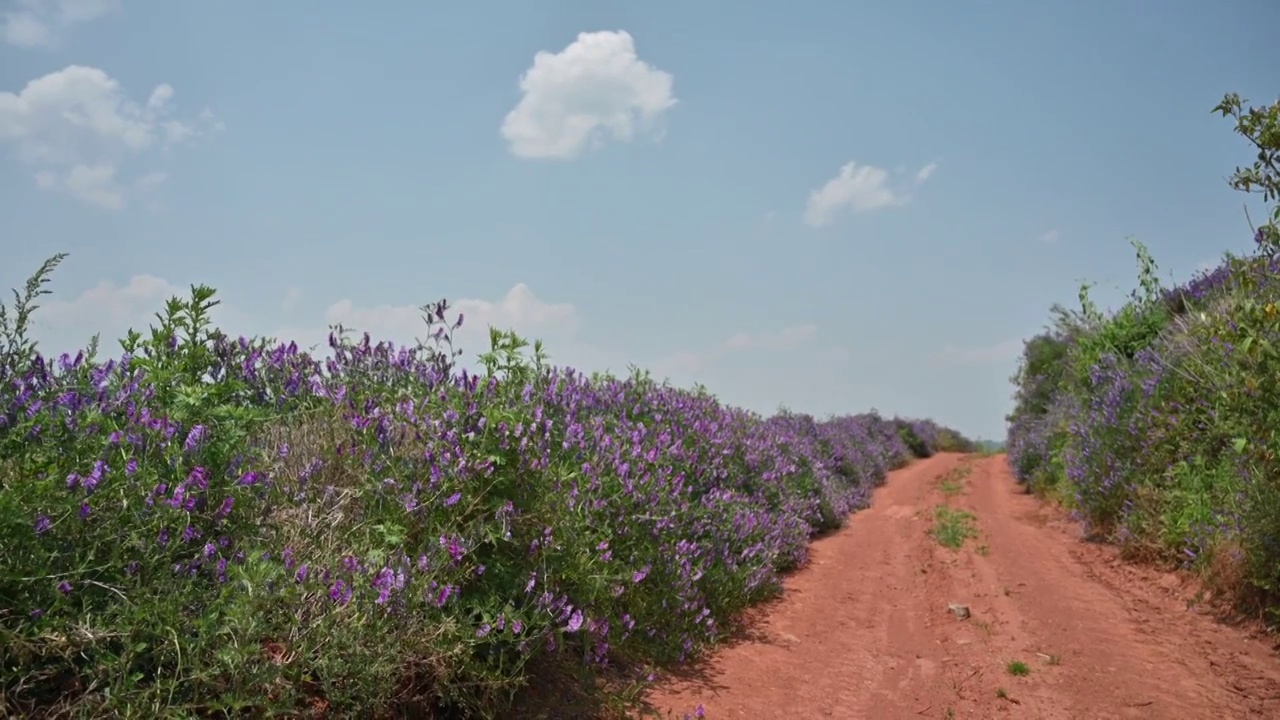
pixel 1159 423
pixel 204 525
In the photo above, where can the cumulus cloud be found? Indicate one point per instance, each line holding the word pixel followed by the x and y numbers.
pixel 291 299
pixel 38 23
pixel 519 310
pixel 111 309
pixel 926 172
pixel 685 362
pixel 65 325
pixel 113 306
pixel 1001 352
pixel 777 340
pixel 1205 266
pixel 75 128
pixel 594 89
pixel 854 189
pixel 94 184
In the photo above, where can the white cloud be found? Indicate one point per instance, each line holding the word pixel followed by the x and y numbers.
pixel 63 325
pixel 856 188
pixel 25 30
pixel 1000 352
pixel 681 363
pixel 686 362
pixel 926 172
pixel 519 310
pixel 111 304
pixel 595 88
pixel 76 127
pixel 291 299
pixel 96 185
pixel 781 339
pixel 107 308
pixel 522 311
pixel 112 309
pixel 37 23
pixel 151 179
pixel 1050 236
pixel 1205 266
pixel 74 11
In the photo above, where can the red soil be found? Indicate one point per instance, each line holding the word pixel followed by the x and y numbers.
pixel 865 631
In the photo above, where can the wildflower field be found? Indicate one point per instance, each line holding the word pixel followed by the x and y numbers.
pixel 196 525
pixel 1159 423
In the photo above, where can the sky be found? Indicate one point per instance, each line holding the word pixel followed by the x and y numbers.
pixel 828 206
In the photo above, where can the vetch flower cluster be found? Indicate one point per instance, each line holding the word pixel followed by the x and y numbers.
pixel 251 515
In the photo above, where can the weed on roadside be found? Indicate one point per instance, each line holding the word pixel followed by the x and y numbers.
pixel 1156 423
pixel 1004 695
pixel 952 482
pixel 952 527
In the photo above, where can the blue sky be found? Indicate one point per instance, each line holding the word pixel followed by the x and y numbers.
pixel 844 206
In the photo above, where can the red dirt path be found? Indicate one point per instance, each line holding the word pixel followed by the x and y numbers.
pixel 865 631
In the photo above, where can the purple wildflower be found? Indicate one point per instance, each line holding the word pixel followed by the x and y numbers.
pixel 194 438
pixel 575 621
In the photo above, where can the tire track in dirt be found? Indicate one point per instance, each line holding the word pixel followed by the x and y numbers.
pixel 866 632
pixel 1126 647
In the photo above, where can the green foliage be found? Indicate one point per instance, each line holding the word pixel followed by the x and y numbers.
pixel 952 527
pixel 162 627
pixel 16 347
pixel 1017 668
pixel 1261 127
pixel 989 448
pixel 948 440
pixel 1126 332
pixel 1160 421
pixel 915 444
pixel 1040 373
pixel 204 526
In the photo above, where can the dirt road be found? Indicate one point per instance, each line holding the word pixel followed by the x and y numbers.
pixel 866 630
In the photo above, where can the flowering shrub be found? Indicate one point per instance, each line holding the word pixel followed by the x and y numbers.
pixel 1160 423
pixel 925 437
pixel 204 523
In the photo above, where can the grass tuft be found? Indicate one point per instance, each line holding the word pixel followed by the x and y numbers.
pixel 1017 668
pixel 952 527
